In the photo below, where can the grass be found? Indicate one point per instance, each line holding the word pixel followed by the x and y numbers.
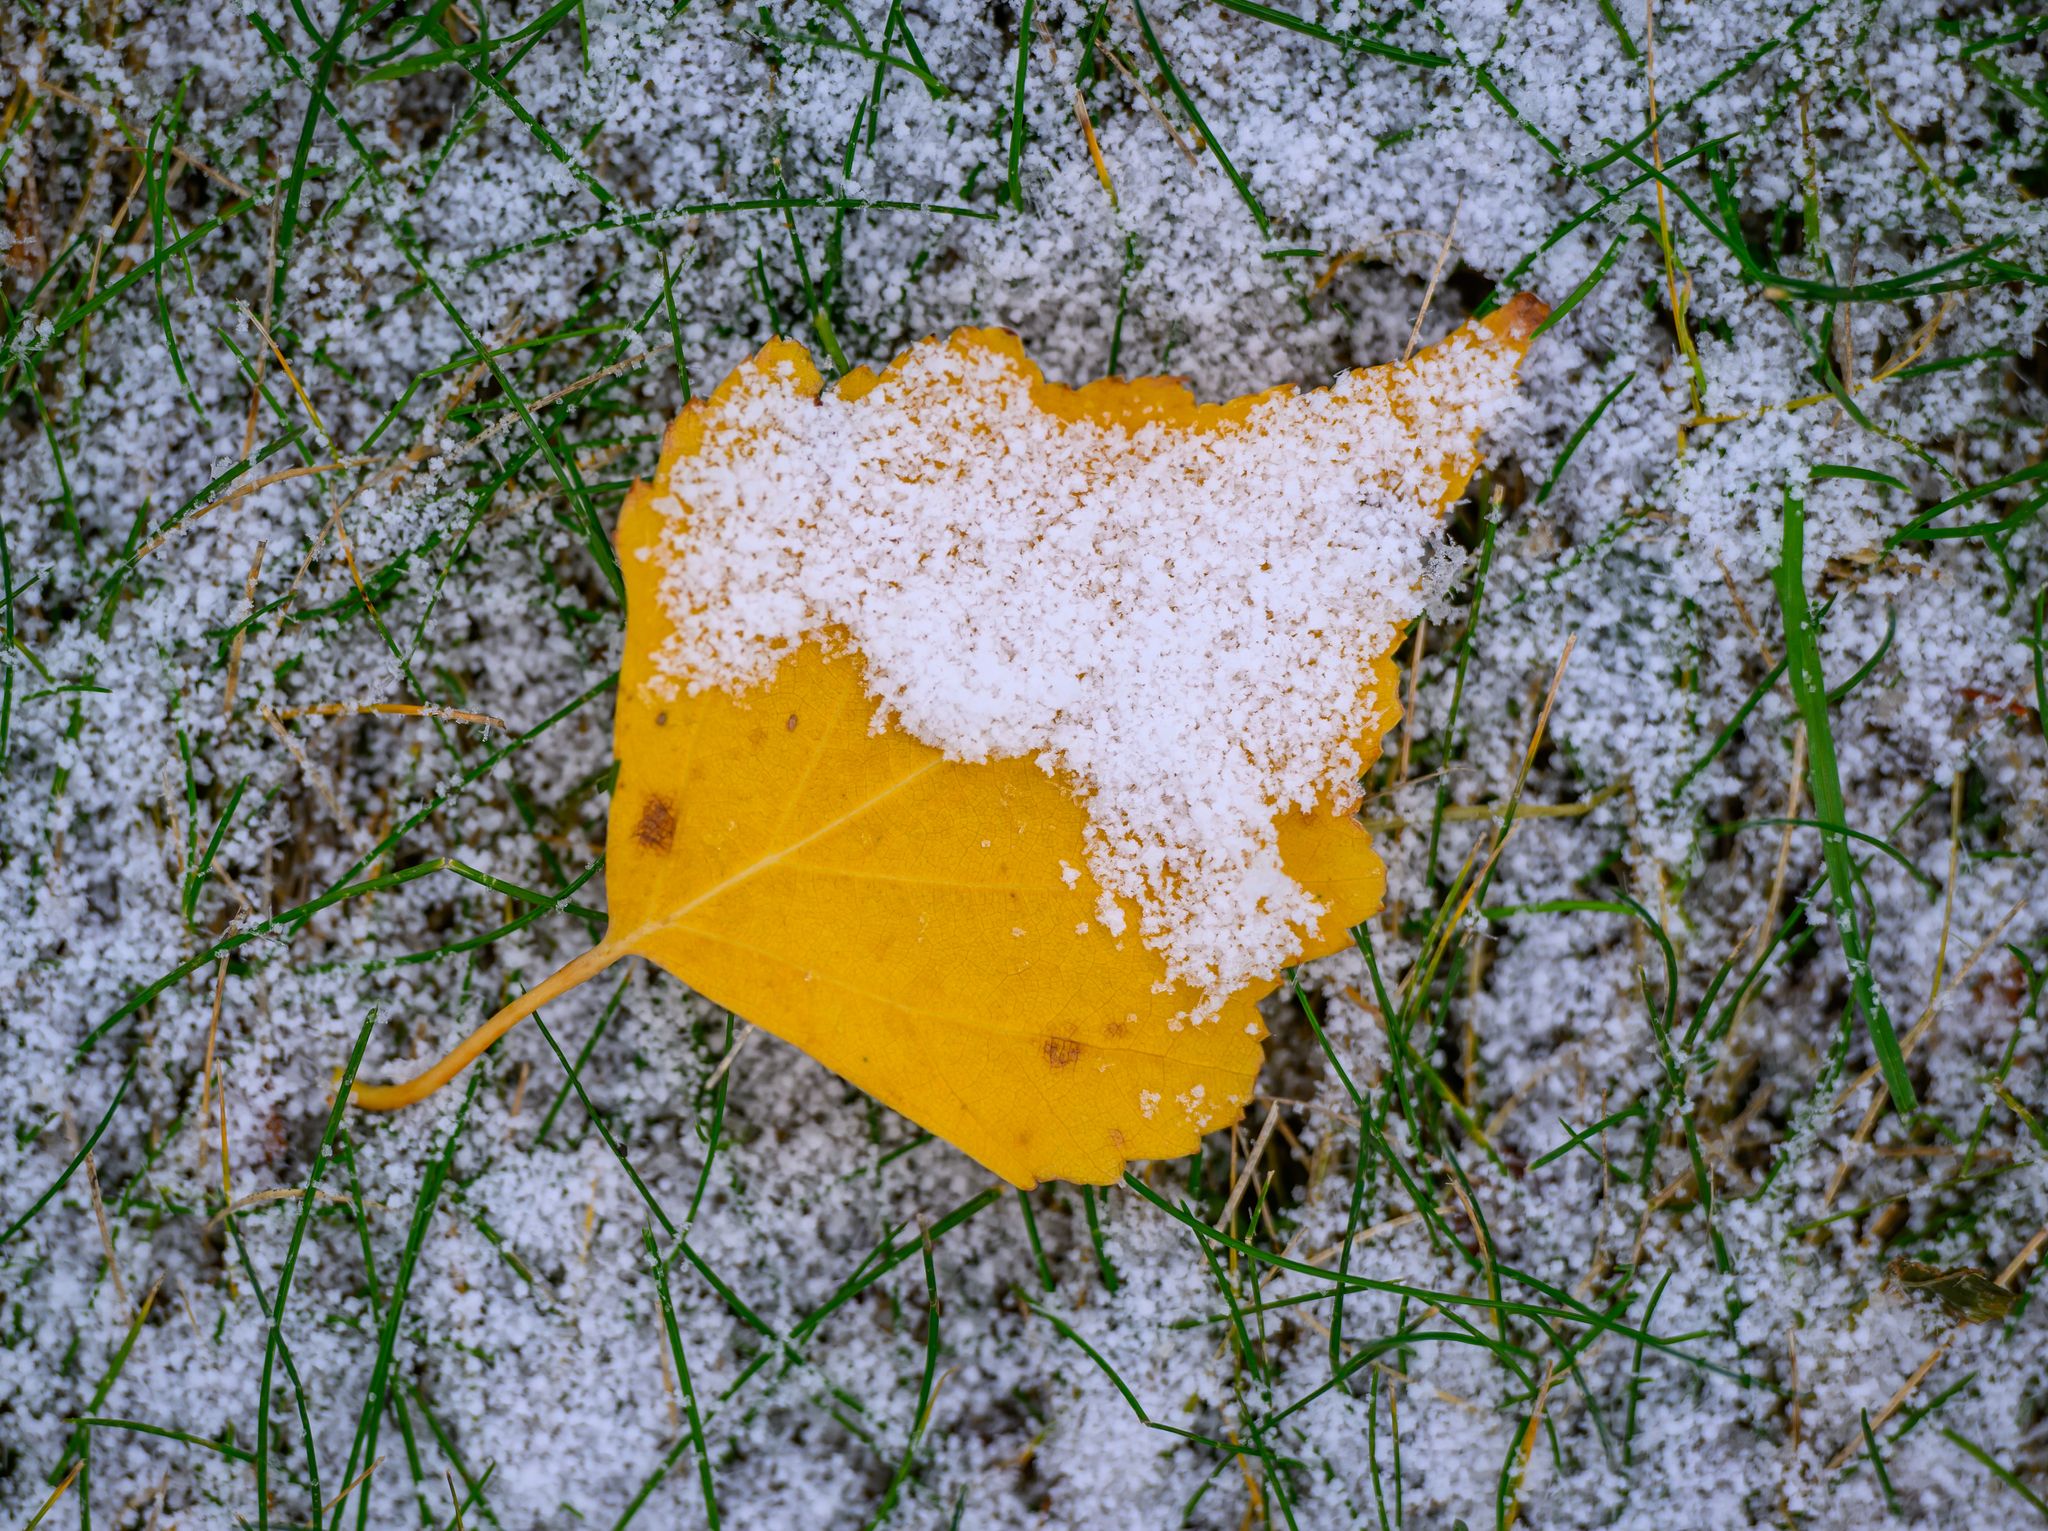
pixel 1393 1113
pixel 1810 693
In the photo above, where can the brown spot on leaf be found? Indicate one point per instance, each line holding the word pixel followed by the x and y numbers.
pixel 657 827
pixel 1061 1051
pixel 661 720
pixel 791 724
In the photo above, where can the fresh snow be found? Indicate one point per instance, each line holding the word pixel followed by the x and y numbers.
pixel 676 184
pixel 1182 623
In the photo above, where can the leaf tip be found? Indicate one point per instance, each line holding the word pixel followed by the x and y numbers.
pixel 1517 320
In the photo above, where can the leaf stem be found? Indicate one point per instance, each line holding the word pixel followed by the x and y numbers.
pixel 390 1097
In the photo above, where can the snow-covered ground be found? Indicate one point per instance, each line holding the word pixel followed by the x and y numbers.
pixel 333 333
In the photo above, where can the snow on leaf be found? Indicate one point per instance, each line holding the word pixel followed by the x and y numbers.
pixel 927 921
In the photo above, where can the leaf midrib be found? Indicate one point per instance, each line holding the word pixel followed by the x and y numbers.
pixel 675 916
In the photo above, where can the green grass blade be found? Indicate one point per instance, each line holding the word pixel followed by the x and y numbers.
pixel 1810 694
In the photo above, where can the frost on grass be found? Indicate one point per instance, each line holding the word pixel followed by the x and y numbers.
pixel 1856 243
pixel 1183 623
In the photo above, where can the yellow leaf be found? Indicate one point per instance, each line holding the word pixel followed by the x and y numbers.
pixel 925 927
